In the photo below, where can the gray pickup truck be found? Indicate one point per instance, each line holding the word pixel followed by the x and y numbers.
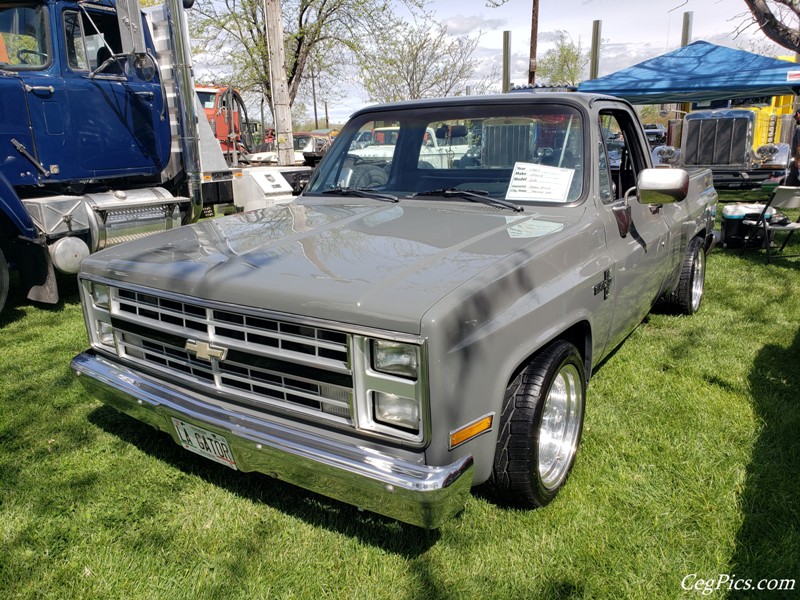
pixel 395 342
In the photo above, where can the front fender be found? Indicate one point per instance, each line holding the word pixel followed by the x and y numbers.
pixel 11 206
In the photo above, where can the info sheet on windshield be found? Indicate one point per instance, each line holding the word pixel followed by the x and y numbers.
pixel 531 181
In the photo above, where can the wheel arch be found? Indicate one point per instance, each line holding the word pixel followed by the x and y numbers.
pixel 579 334
pixel 539 432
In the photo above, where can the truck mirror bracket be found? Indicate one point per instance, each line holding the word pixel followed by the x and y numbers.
pixel 622 213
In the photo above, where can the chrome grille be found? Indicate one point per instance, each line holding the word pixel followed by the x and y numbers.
pixel 268 362
pixel 719 142
pixel 505 145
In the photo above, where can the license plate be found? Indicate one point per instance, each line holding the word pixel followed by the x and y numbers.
pixel 204 442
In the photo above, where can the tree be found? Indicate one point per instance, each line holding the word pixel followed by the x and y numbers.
pixel 651 113
pixel 301 118
pixel 231 41
pixel 565 64
pixel 417 61
pixel 323 83
pixel 778 20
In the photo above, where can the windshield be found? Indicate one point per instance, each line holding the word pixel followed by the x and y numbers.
pixel 301 141
pixel 23 37
pixel 207 99
pixel 521 153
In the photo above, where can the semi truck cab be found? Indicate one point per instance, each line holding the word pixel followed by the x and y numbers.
pixel 84 111
pixel 92 109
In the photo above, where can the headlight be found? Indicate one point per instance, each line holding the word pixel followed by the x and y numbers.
pixel 395 358
pixel 100 295
pixel 767 151
pixel 397 411
pixel 96 299
pixel 105 333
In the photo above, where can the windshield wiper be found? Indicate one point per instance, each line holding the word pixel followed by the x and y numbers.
pixel 472 195
pixel 361 193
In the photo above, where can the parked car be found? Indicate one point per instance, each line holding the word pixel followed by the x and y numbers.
pixel 307 147
pixel 656 133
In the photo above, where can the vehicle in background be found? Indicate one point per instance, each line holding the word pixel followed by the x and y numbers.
pixel 308 150
pixel 616 149
pixel 226 113
pixel 655 133
pixel 745 141
pixel 407 329
pixel 378 145
pixel 101 136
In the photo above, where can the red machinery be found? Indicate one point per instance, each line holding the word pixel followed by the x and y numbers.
pixel 227 116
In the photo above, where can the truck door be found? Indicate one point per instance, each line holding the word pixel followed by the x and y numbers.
pixel 641 261
pixel 29 92
pixel 118 123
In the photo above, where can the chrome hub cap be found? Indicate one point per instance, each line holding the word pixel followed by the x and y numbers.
pixel 698 279
pixel 560 426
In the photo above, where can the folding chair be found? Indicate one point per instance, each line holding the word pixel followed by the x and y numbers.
pixel 782 197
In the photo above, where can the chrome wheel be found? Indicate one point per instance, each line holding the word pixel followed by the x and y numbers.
pixel 688 295
pixel 540 426
pixel 698 279
pixel 560 427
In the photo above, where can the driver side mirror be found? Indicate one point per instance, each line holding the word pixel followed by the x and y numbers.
pixel 662 186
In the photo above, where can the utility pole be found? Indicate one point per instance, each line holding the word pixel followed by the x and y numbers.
pixel 279 83
pixel 534 35
pixel 314 97
pixel 686 32
pixel 686 39
pixel 506 61
pixel 594 63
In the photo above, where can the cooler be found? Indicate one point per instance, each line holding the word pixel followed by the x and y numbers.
pixel 735 230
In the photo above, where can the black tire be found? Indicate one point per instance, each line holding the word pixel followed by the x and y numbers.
pixel 539 439
pixel 4 281
pixel 367 176
pixel 688 296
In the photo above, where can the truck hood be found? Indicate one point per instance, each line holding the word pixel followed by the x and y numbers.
pixel 377 265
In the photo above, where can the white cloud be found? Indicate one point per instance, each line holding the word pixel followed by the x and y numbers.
pixel 461 25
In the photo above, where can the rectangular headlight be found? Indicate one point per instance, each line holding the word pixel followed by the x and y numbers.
pixel 396 411
pixel 100 295
pixel 105 333
pixel 395 358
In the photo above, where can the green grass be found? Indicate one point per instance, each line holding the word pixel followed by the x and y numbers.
pixel 690 463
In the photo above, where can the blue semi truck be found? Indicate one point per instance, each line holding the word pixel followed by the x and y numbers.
pixel 100 136
pixel 88 105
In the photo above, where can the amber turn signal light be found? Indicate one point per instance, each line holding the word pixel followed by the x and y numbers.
pixel 459 436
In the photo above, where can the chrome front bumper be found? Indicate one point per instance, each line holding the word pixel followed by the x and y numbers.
pixel 414 493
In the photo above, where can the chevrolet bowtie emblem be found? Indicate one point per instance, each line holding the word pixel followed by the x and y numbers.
pixel 205 351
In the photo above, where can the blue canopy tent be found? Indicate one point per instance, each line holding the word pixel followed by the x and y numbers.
pixel 699 72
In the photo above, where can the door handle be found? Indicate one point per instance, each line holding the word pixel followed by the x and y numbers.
pixel 145 95
pixel 40 88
